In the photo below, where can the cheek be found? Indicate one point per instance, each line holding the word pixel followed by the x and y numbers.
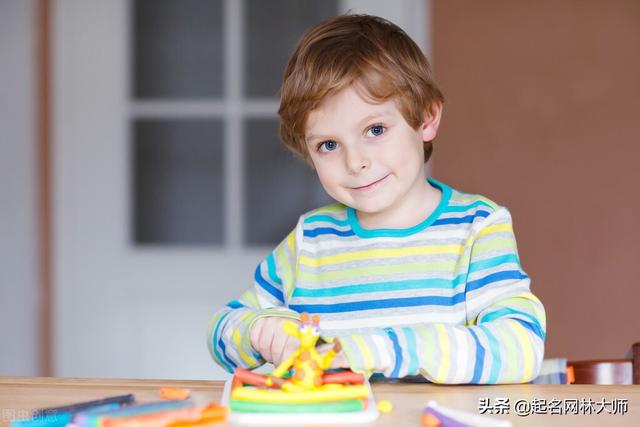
pixel 327 176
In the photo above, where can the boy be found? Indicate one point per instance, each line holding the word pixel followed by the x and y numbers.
pixel 408 275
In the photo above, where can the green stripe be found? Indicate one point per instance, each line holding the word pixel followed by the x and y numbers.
pixel 493 245
pixel 351 405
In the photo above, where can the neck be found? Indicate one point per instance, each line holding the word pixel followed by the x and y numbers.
pixel 414 208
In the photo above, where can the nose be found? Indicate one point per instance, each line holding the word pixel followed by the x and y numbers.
pixel 357 160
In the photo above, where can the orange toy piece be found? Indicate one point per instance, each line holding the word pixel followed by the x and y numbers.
pixel 174 393
pixel 308 365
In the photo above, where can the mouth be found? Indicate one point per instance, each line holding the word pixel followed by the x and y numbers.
pixel 372 185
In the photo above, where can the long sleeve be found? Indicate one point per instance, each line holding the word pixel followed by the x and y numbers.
pixel 502 340
pixel 229 329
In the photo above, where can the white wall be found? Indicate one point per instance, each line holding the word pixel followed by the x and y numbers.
pixel 18 208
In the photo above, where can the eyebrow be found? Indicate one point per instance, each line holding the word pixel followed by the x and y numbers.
pixel 383 114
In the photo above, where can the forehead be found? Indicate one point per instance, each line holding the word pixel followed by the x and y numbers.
pixel 347 107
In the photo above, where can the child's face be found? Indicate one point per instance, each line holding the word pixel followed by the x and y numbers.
pixel 366 155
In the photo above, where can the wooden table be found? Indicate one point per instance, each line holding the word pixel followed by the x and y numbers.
pixel 19 395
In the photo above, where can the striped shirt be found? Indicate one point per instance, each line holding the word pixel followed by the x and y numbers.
pixel 446 299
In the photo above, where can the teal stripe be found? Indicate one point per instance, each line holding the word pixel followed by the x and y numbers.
pixel 464 208
pixel 401 232
pixel 364 288
pixel 271 269
pixel 326 218
pixel 495 353
pixel 506 311
pixel 493 262
pixel 412 352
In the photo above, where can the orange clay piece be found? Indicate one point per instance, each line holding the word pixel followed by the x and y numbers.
pixel 174 393
pixel 430 420
pixel 211 414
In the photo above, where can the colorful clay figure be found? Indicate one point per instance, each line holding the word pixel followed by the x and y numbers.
pixel 308 365
pixel 308 389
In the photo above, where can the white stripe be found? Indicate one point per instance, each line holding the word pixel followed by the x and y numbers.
pixel 358 244
pixel 480 300
pixel 382 350
pixel 264 303
pixel 459 370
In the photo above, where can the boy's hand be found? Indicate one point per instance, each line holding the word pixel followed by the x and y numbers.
pixel 273 343
pixel 340 359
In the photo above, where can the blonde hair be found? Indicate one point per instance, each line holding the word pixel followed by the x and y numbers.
pixel 374 55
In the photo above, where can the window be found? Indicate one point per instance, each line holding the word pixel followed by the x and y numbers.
pixel 207 164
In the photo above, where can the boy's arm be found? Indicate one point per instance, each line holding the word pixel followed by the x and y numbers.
pixel 228 335
pixel 502 342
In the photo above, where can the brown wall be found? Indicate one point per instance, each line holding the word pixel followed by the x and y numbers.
pixel 542 115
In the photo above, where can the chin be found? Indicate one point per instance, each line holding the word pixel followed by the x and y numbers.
pixel 370 208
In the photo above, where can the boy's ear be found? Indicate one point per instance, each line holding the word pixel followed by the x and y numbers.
pixel 431 122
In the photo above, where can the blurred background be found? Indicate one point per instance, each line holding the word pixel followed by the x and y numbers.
pixel 142 179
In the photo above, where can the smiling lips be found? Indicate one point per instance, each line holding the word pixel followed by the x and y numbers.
pixel 371 186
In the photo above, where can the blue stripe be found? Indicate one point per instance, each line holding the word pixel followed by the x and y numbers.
pixel 477 369
pixel 271 269
pixel 495 353
pixel 326 218
pixel 493 262
pixel 220 357
pixel 533 325
pixel 235 304
pixel 532 328
pixel 277 293
pixel 397 350
pixel 377 304
pixel 224 353
pixel 464 220
pixel 412 351
pixel 363 288
pixel 326 230
pixel 495 277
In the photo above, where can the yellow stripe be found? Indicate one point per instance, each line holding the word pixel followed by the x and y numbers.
pixel 496 228
pixel 364 350
pixel 382 253
pixel 527 349
pixel 318 395
pixel 238 342
pixel 445 353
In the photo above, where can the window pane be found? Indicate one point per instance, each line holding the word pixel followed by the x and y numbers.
pixel 177 48
pixel 273 29
pixel 279 187
pixel 178 181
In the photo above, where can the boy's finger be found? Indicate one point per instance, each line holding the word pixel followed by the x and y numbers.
pixel 266 344
pixel 255 333
pixel 280 339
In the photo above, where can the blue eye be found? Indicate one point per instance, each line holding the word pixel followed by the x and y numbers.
pixel 376 130
pixel 328 146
